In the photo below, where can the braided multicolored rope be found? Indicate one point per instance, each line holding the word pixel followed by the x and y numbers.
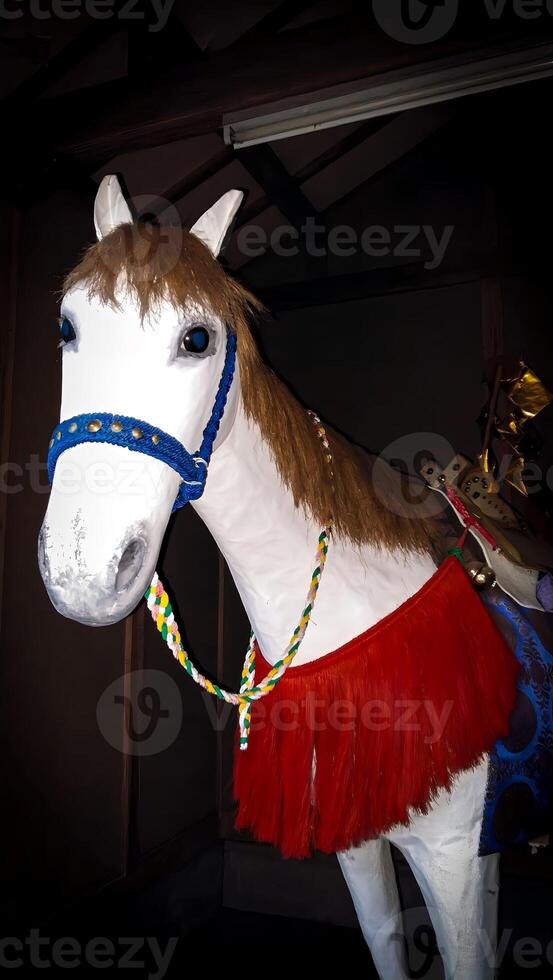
pixel 162 614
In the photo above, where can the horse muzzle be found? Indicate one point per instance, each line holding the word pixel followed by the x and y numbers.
pixel 101 598
pixel 99 543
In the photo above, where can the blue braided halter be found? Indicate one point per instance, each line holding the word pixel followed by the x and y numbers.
pixel 141 437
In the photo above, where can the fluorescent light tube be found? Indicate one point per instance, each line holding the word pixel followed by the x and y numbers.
pixel 385 94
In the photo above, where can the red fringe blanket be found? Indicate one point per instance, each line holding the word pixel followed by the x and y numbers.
pixel 347 744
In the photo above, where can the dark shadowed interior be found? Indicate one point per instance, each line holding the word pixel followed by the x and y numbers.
pixel 390 341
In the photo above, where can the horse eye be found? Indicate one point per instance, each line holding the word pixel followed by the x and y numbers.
pixel 196 340
pixel 67 333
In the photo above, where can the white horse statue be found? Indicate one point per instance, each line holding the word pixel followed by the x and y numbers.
pixel 379 732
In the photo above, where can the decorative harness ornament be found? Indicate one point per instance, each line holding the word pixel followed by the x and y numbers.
pixel 141 437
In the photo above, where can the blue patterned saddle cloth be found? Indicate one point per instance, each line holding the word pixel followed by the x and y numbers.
pixel 519 795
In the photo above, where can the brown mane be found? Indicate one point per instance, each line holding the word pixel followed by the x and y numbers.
pixel 153 264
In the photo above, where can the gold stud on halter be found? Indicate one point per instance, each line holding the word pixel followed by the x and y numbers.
pixel 137 433
pixel 94 426
pixel 116 426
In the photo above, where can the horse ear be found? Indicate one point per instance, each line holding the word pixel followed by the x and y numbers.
pixel 110 207
pixel 213 226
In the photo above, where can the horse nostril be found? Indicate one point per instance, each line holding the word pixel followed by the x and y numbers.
pixel 129 564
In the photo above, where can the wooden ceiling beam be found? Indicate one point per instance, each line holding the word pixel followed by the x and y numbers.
pixel 181 188
pixel 273 21
pixel 61 64
pixel 189 99
pixel 333 153
pixel 281 190
pixel 149 53
pixel 371 283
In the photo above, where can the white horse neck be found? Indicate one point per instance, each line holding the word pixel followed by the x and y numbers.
pixel 269 545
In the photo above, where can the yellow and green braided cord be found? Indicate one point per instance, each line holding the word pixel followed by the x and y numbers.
pixel 162 613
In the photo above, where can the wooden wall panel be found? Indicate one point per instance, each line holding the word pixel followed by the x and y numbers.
pixel 177 787
pixel 62 781
pixel 10 226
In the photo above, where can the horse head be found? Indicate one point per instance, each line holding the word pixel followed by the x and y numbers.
pixel 146 338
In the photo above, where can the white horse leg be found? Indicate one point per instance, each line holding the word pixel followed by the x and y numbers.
pixel 370 877
pixel 460 889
